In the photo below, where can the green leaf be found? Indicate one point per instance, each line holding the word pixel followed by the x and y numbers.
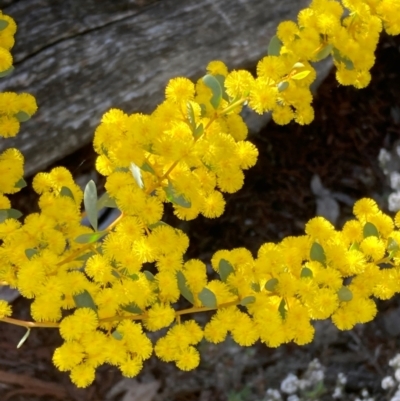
pixel 21 183
pixel 149 275
pixel 306 272
pixel 6 72
pixel 341 59
pixel 14 214
pixel 255 287
pixel 247 300
pixel 282 309
pixel 324 52
pixel 22 116
pixel 85 256
pixel 225 269
pixel 84 300
pixel 271 284
pixel 198 132
pixel 24 338
pixel 132 308
pixel 282 86
pixel 173 197
pixel 137 175
pixel 191 117
pixel 90 202
pixel 89 238
pixel 117 335
pixel 208 298
pixel 221 80
pixel 370 230
pixel 158 224
pixel 183 288
pixel 146 167
pixel 3 24
pixel 345 294
pixel 30 253
pixel 317 253
pixel 65 191
pixel 300 75
pixel 354 247
pixel 392 245
pixel 105 201
pixel 3 215
pixel 298 65
pixel 274 47
pixel 213 83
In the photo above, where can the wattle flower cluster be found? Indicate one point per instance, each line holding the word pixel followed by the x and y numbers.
pixel 104 289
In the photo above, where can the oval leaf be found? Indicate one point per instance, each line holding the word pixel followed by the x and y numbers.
pixel 247 300
pixel 24 338
pixel 392 245
pixel 324 52
pixel 300 75
pixel 345 294
pixel 117 335
pixel 282 309
pixel 282 86
pixel 6 72
pixel 30 253
pixel 132 308
pixel 105 201
pixel 213 83
pixel 65 191
pixel 208 298
pixel 14 214
pixel 90 202
pixel 173 197
pixel 317 253
pixel 22 116
pixel 271 284
pixel 306 272
pixel 255 287
pixel 3 24
pixel 21 183
pixel 274 47
pixel 224 269
pixel 3 215
pixel 90 237
pixel 137 175
pixel 198 132
pixel 298 65
pixel 183 288
pixel 149 275
pixel 191 118
pixel 370 230
pixel 84 300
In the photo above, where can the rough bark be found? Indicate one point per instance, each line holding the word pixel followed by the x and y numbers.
pixel 80 58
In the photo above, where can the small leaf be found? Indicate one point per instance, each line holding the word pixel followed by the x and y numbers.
pixel 191 117
pixel 300 75
pixel 24 338
pixel 247 300
pixel 198 132
pixel 149 275
pixel 3 215
pixel 6 72
pixel 132 308
pixel 213 83
pixel 225 269
pixel 324 52
pixel 208 298
pixel 14 214
pixel 3 24
pixel 173 197
pixel 271 284
pixel 370 230
pixel 282 86
pixel 341 59
pixel 345 294
pixel 89 238
pixel 392 245
pixel 105 201
pixel 255 287
pixel 306 272
pixel 117 335
pixel 90 202
pixel 158 224
pixel 183 288
pixel 274 47
pixel 22 116
pixel 221 80
pixel 282 309
pixel 298 65
pixel 137 175
pixel 65 191
pixel 30 253
pixel 85 256
pixel 317 253
pixel 146 167
pixel 84 300
pixel 21 183
pixel 354 247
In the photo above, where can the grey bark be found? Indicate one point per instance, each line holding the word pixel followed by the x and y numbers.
pixel 80 58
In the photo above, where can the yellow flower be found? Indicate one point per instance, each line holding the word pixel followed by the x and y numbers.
pixel 213 206
pixel 82 375
pixel 9 126
pixel 238 83
pixel 217 67
pixel 262 96
pixel 6 59
pixel 69 355
pixel 179 90
pixel 189 359
pixel 282 115
pixel 159 316
pixel 5 309
pixel 271 67
pixel 287 31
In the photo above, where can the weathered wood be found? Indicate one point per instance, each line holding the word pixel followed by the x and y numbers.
pixel 80 58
